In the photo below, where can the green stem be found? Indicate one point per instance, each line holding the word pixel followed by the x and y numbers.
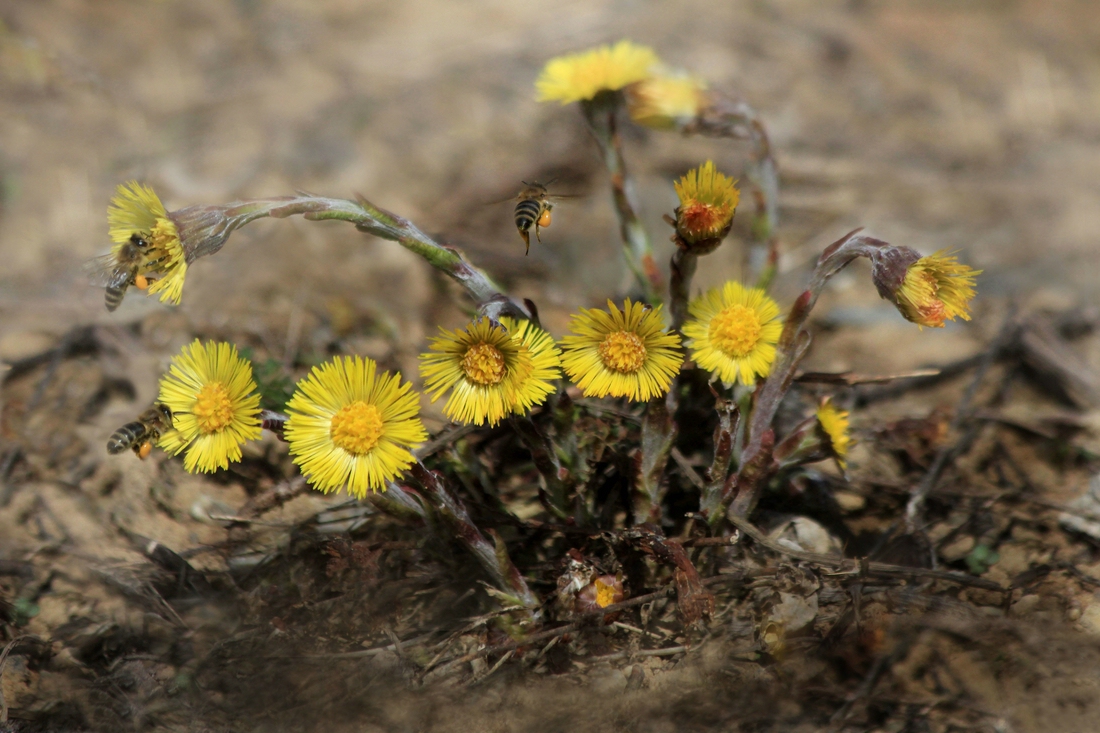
pixel 204 230
pixel 600 113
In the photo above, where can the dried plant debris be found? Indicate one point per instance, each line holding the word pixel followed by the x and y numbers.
pixel 659 518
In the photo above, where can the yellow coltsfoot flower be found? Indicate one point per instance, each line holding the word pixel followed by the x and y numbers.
pixel 533 390
pixel 350 425
pixel 580 76
pixel 486 370
pixel 708 200
pixel 623 353
pixel 137 210
pixel 733 332
pixel 834 423
pixel 215 407
pixel 936 289
pixel 666 101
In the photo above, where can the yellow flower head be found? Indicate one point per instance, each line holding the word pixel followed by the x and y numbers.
pixel 707 202
pixel 487 371
pixel 584 75
pixel 834 423
pixel 215 407
pixel 136 209
pixel 936 288
pixel 545 363
pixel 352 426
pixel 623 353
pixel 733 332
pixel 663 102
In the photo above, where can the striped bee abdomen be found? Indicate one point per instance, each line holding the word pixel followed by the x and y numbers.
pixel 126 436
pixel 113 297
pixel 527 213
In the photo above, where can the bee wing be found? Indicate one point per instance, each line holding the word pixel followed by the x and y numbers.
pixel 513 197
pixel 105 272
pixel 555 197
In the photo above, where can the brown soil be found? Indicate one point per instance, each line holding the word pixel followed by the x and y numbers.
pixel 971 126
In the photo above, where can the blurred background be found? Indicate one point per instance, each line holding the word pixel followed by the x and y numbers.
pixel 970 126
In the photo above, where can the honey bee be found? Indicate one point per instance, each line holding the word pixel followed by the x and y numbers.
pixel 533 206
pixel 117 271
pixel 142 434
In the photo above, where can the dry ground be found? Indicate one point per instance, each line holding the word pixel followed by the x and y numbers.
pixel 972 126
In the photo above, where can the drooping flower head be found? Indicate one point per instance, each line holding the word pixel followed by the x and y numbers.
pixel 666 100
pixel 834 423
pixel 486 370
pixel 533 390
pixel 936 289
pixel 350 425
pixel 622 353
pixel 708 200
pixel 733 332
pixel 136 209
pixel 214 403
pixel 583 75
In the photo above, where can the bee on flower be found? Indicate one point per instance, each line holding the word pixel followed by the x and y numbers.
pixel 581 76
pixel 351 425
pixel 147 252
pixel 490 369
pixel 708 200
pixel 214 405
pixel 733 332
pixel 621 353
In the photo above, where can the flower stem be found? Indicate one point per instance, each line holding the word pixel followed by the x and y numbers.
pixel 658 435
pixel 682 268
pixel 743 488
pixel 217 222
pixel 600 113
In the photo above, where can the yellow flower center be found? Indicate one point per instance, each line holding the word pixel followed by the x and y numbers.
pixel 357 427
pixel 623 351
pixel 484 365
pixel 735 331
pixel 213 408
pixel 605 593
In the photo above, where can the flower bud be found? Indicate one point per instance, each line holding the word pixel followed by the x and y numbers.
pixel 926 290
pixel 708 201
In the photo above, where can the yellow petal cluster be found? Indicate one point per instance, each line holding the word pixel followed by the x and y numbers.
pixel 936 289
pixel 708 200
pixel 621 353
pixel 351 425
pixel 490 369
pixel 733 332
pixel 665 101
pixel 579 76
pixel 136 209
pixel 834 423
pixel 215 408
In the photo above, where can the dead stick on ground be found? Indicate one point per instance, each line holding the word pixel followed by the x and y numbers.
pixel 915 507
pixel 847 565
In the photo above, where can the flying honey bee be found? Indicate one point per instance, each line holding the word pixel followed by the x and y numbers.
pixel 142 434
pixel 117 271
pixel 533 206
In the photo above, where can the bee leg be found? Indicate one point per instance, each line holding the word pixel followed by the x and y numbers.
pixel 527 240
